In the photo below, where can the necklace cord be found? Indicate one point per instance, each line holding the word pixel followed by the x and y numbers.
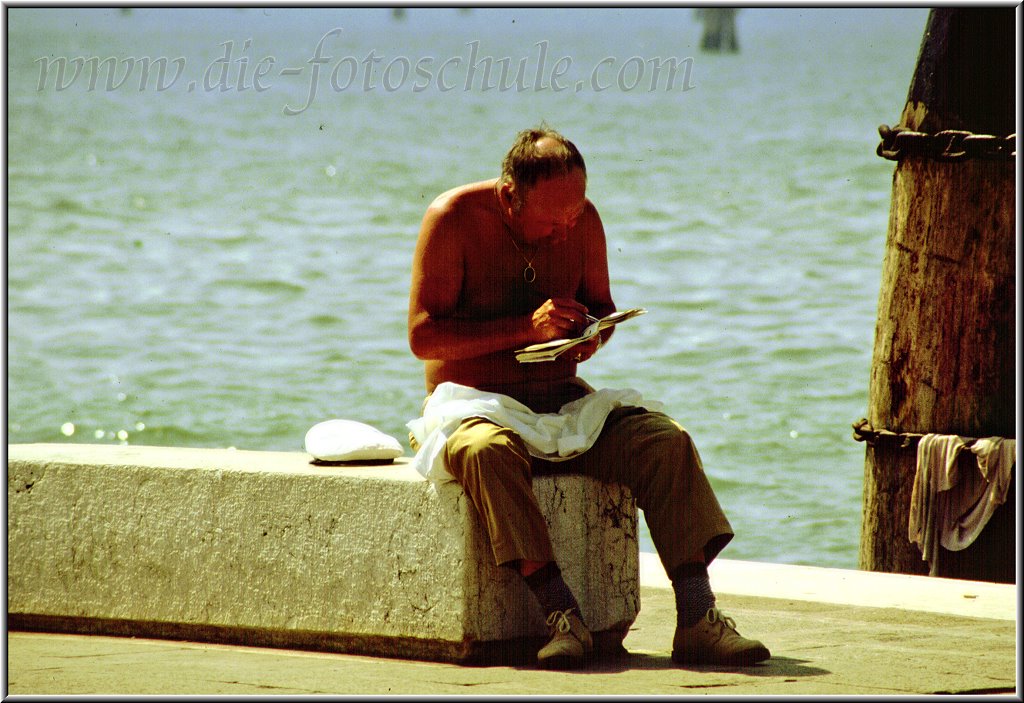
pixel 529 273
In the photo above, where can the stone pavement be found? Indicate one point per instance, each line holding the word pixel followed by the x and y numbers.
pixel 926 636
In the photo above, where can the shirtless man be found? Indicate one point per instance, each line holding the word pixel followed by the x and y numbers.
pixel 508 262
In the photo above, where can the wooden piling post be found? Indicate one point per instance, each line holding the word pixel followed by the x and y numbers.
pixel 719 29
pixel 944 356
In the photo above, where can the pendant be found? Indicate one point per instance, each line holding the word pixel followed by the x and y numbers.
pixel 529 274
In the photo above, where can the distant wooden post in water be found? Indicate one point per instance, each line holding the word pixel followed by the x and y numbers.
pixel 944 356
pixel 719 28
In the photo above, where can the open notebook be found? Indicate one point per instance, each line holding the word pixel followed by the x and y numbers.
pixel 549 351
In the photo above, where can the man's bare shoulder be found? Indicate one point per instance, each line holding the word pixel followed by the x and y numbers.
pixel 464 199
pixel 590 211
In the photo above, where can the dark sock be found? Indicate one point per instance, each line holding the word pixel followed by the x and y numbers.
pixel 551 590
pixel 694 596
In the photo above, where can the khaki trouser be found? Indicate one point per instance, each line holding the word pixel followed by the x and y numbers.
pixel 647 452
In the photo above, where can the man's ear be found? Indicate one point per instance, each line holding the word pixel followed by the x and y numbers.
pixel 517 201
pixel 509 198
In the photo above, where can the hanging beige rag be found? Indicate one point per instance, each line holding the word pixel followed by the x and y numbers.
pixel 950 507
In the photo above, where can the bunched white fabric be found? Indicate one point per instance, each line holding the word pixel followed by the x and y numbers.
pixel 348 440
pixel 552 436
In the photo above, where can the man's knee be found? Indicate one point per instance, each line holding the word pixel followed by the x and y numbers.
pixel 682 441
pixel 661 431
pixel 663 445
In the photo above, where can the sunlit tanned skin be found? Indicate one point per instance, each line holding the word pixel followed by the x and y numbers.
pixel 470 305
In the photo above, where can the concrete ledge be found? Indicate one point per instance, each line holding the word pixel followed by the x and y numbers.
pixel 869 589
pixel 266 548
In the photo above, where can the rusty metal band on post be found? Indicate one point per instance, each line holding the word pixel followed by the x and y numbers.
pixel 864 432
pixel 947 145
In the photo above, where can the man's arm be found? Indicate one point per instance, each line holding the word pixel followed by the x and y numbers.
pixel 437 269
pixel 434 330
pixel 595 290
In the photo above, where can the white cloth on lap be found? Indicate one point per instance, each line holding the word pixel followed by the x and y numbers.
pixel 552 436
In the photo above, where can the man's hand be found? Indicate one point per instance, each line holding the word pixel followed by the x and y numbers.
pixel 584 350
pixel 558 318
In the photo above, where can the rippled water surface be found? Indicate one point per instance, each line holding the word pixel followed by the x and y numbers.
pixel 197 268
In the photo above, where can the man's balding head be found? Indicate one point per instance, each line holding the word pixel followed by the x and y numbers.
pixel 537 154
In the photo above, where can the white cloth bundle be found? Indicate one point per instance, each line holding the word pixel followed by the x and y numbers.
pixel 348 440
pixel 552 436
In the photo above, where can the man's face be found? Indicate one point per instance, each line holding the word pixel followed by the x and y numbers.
pixel 552 207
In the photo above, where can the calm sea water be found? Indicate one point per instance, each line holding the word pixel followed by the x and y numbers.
pixel 188 265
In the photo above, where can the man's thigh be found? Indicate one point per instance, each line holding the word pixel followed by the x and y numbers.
pixel 628 434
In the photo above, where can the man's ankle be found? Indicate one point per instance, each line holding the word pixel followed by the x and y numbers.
pixel 551 591
pixel 527 567
pixel 693 593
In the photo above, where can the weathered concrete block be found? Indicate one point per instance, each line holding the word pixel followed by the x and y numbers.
pixel 266 548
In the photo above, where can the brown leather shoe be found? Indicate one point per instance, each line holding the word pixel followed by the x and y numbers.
pixel 570 643
pixel 714 640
